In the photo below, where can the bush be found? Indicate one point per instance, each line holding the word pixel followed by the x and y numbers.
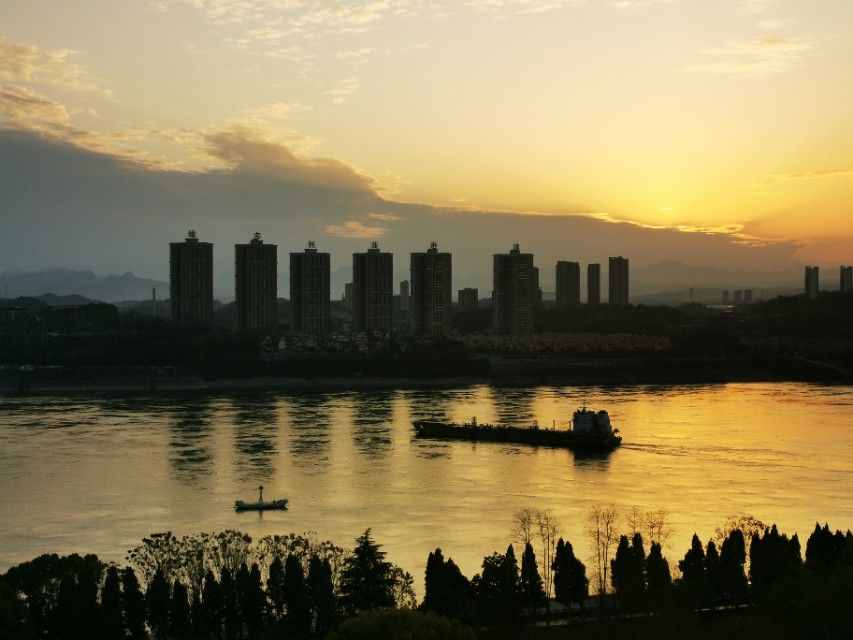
pixel 391 624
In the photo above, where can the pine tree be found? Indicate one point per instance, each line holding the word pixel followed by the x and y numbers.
pixel 322 593
pixel 158 602
pixel 179 612
pixel 532 591
pixel 366 581
pixel 231 618
pixel 275 587
pixel 658 578
pixel 296 596
pixel 133 604
pixel 713 572
pixel 111 605
pixel 693 572
pixel 212 607
pixel 733 584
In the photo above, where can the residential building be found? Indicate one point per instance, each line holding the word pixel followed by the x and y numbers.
pixel 256 270
pixel 310 290
pixel 568 284
pixel 432 291
pixel 515 293
pixel 191 281
pixel 619 282
pixel 372 290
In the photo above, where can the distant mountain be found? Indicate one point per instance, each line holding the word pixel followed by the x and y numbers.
pixel 67 282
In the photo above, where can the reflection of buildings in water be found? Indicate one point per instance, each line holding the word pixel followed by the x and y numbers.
pixel 430 404
pixel 513 406
pixel 373 413
pixel 255 432
pixel 310 422
pixel 189 439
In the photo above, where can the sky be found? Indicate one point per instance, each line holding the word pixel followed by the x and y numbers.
pixel 713 133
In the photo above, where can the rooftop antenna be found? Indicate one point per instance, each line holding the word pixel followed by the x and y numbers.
pixel 515 247
pixel 374 246
pixel 191 235
pixel 433 246
pixel 312 246
pixel 257 237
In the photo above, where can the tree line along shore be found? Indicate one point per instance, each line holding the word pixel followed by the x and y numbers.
pixel 748 580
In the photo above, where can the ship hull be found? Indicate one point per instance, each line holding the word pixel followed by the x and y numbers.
pixel 532 436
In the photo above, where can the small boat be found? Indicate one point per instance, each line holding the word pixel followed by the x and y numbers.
pixel 260 505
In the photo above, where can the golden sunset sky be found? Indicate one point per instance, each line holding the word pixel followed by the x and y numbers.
pixel 732 116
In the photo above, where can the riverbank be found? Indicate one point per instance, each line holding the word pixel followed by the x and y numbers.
pixel 501 371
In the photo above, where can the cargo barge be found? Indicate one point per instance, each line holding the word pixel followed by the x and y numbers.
pixel 591 431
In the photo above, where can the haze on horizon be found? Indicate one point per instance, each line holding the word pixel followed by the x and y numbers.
pixel 719 133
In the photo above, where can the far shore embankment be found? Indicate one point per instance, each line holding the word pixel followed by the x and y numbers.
pixel 501 371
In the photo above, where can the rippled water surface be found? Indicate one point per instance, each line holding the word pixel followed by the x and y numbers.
pixel 82 474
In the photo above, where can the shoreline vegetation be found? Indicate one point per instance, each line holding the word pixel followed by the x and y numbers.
pixel 749 580
pixel 785 339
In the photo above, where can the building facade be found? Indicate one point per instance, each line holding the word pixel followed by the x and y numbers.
pixel 191 281
pixel 515 293
pixel 812 282
pixel 404 296
pixel 469 299
pixel 372 290
pixel 618 279
pixel 593 284
pixel 256 270
pixel 310 291
pixel 432 291
pixel 568 284
pixel 846 279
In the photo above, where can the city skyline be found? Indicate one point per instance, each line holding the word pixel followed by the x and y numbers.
pixel 709 166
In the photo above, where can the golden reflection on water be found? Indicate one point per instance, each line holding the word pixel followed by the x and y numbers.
pixel 96 475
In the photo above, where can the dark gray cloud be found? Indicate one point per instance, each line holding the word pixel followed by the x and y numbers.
pixel 66 206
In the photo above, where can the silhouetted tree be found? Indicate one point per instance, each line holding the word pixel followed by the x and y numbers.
pixel 322 593
pixel 212 607
pixel 179 612
pixel 570 581
pixel 111 605
pixel 296 596
pixel 713 573
pixel 532 591
pixel 627 572
pixel 231 617
pixel 447 591
pixel 694 578
pixel 490 592
pixel 275 587
pixel 158 603
pixel 658 579
pixel 366 581
pixel 733 584
pixel 133 604
pixel 773 559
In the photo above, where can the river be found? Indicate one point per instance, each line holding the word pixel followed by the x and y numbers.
pixel 97 474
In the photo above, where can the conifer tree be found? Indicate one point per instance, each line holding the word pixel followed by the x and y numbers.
pixel 275 587
pixel 322 593
pixel 212 604
pixel 158 603
pixel 133 603
pixel 296 596
pixel 366 581
pixel 111 605
pixel 532 591
pixel 658 578
pixel 179 611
